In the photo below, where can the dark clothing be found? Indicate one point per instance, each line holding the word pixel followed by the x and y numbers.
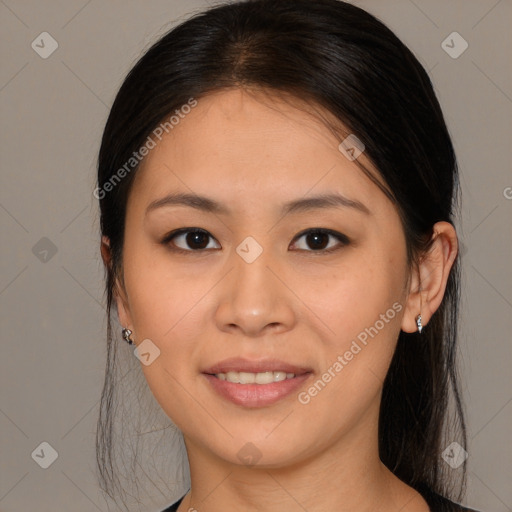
pixel 435 502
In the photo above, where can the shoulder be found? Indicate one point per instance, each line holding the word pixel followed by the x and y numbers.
pixel 174 506
pixel 438 503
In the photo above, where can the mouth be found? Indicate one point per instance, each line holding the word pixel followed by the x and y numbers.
pixel 260 378
pixel 255 383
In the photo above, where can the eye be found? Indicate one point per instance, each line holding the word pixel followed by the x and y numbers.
pixel 318 239
pixel 195 238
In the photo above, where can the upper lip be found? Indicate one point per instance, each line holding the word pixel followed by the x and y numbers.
pixel 239 364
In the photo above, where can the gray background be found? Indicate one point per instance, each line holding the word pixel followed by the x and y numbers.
pixel 53 319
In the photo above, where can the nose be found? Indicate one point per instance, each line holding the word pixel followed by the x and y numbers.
pixel 254 299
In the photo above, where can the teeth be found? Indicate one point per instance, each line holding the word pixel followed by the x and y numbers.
pixel 254 378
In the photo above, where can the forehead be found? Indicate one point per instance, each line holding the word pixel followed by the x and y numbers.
pixel 251 146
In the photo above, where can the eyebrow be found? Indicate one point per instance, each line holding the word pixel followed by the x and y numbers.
pixel 302 205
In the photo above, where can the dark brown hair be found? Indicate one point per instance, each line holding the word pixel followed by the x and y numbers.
pixel 338 57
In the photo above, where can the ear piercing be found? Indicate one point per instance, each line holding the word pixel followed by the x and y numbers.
pixel 126 333
pixel 418 323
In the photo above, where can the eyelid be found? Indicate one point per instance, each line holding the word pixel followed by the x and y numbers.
pixel 342 239
pixel 177 232
pixel 336 234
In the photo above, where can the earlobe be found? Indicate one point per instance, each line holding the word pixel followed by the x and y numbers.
pixel 105 251
pixel 123 310
pixel 428 281
pixel 414 304
pixel 119 293
pixel 124 319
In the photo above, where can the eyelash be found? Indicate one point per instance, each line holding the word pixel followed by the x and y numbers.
pixel 343 239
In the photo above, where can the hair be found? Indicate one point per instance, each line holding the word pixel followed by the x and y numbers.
pixel 342 59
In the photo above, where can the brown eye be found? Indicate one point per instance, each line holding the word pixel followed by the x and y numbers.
pixel 317 240
pixel 189 239
pixel 197 240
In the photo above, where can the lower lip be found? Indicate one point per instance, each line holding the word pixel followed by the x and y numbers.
pixel 256 395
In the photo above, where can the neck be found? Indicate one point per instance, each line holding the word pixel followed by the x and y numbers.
pixel 348 476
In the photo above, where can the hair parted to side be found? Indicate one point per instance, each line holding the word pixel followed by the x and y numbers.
pixel 338 57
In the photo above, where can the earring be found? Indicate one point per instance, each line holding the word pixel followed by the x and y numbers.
pixel 418 323
pixel 126 333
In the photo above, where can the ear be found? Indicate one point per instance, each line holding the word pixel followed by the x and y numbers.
pixel 123 309
pixel 428 281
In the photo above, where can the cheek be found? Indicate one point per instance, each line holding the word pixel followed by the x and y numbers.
pixel 354 296
pixel 164 296
pixel 166 309
pixel 339 315
pixel 363 311
pixel 363 307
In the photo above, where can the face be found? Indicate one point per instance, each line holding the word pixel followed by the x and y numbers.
pixel 262 275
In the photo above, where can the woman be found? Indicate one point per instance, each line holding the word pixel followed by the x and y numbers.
pixel 277 188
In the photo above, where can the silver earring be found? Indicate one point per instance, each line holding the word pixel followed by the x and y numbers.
pixel 126 333
pixel 418 323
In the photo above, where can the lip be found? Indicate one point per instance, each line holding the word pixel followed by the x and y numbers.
pixel 239 364
pixel 256 395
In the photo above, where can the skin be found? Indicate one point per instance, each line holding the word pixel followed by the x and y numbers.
pixel 252 152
